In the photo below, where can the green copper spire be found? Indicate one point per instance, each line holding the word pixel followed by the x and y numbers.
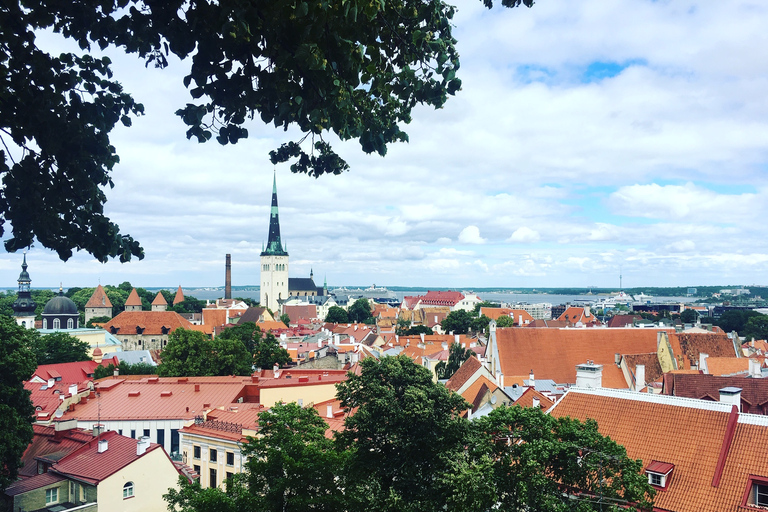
pixel 274 245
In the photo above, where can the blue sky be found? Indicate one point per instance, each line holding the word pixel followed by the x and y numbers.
pixel 587 137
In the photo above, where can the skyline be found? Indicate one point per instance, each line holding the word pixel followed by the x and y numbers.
pixel 588 141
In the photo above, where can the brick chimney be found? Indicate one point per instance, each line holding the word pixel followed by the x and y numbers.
pixel 228 277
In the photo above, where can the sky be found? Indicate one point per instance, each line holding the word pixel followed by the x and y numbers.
pixel 590 140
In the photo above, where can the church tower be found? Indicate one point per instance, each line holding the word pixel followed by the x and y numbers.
pixel 274 262
pixel 24 307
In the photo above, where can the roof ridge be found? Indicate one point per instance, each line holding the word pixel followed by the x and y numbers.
pixel 693 403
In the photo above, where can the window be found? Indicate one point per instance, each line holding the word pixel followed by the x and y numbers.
pixel 196 452
pixel 761 494
pixel 212 482
pixel 45 323
pixel 174 440
pixel 230 459
pixel 197 469
pixel 56 323
pixel 133 434
pixel 659 473
pixel 230 475
pixel 51 496
pixel 70 324
pixel 213 455
pixel 128 490
pixel 655 479
pixel 146 432
pixel 161 437
pixel 72 491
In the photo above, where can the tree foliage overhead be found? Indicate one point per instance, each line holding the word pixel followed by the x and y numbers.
pixel 59 347
pixel 456 357
pixel 337 315
pixel 265 349
pixel 355 69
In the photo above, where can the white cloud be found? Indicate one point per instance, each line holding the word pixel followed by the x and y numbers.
pixel 524 235
pixel 471 235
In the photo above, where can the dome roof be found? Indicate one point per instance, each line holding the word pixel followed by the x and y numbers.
pixel 60 305
pixel 97 352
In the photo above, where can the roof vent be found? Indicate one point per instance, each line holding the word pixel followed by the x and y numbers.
pixel 142 445
pixel 166 393
pixel 103 445
pixel 134 393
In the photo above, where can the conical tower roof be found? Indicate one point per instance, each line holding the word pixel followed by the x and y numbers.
pixel 99 299
pixel 133 299
pixel 274 244
pixel 179 296
pixel 159 300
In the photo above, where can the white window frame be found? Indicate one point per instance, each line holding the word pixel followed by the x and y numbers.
pixel 56 323
pixel 763 488
pixel 52 496
pixel 656 479
pixel 128 490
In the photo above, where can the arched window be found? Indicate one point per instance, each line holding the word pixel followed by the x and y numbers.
pixel 70 324
pixel 45 323
pixel 128 490
pixel 56 323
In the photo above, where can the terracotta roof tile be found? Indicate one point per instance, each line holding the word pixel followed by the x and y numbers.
pixel 754 392
pixel 133 299
pixel 715 345
pixel 554 353
pixel 652 367
pixel 687 433
pixel 87 464
pixel 526 399
pixel 152 322
pixel 463 374
pixel 69 373
pixel 727 365
pixel 159 300
pixel 99 299
pixel 179 297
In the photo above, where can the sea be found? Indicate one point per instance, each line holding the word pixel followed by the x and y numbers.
pixel 495 296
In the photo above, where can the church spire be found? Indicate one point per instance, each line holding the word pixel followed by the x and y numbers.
pixel 274 244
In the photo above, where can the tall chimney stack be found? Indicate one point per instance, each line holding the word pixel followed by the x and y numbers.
pixel 228 278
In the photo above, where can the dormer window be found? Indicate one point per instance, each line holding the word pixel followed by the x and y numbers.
pixel 659 474
pixel 756 494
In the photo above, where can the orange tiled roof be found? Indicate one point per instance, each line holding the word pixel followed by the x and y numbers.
pixel 691 434
pixel 463 374
pixel 727 365
pixel 574 314
pixel 554 353
pixel 179 297
pixel 99 299
pixel 526 399
pixel 481 386
pixel 159 300
pixel 152 322
pixel 754 392
pixel 651 361
pixel 716 345
pixel 133 299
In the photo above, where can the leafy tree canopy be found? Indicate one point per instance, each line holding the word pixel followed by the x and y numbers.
pixel 17 363
pixel 125 369
pixel 456 357
pixel 505 321
pixel 337 315
pixel 417 330
pixel 735 319
pixel 757 327
pixel 360 311
pixel 355 69
pixel 265 349
pixel 59 347
pixel 285 319
pixel 192 353
pixel 457 322
pixel 689 316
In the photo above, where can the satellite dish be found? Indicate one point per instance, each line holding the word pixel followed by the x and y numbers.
pixel 493 399
pixel 59 413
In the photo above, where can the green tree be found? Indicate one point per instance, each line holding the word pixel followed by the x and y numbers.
pixel 285 319
pixel 356 70
pixel 292 465
pixel 192 353
pixel 125 369
pixel 402 438
pixel 359 311
pixel 456 357
pixel 480 324
pixel 417 330
pixel 689 316
pixel 457 322
pixel 97 320
pixel 528 460
pixel 188 305
pixel 505 321
pixel 735 319
pixel 485 304
pixel 192 497
pixel 757 327
pixel 265 349
pixel 17 363
pixel 59 347
pixel 336 315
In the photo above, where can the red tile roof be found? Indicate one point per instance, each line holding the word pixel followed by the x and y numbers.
pixel 70 373
pixel 99 299
pixel 554 353
pixel 526 399
pixel 34 482
pixel 159 300
pixel 572 315
pixel 179 297
pixel 89 465
pixel 152 322
pixel 51 446
pixel 727 365
pixel 712 464
pixel 463 374
pixel 133 299
pixel 623 320
pixel 301 311
pixel 754 392
pixel 713 344
pixel 441 298
pixel 652 367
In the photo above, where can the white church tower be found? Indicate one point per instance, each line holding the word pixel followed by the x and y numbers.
pixel 274 263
